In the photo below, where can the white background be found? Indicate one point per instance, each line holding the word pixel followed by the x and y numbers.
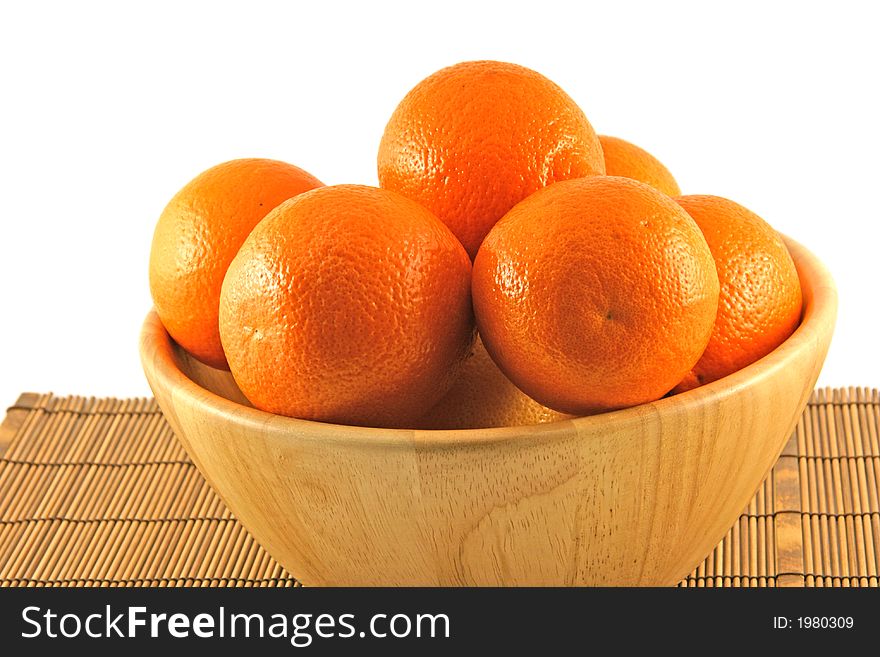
pixel 106 110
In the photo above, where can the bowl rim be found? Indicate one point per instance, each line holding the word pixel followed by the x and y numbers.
pixel 820 309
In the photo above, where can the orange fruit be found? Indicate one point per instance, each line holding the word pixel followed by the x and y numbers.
pixel 472 140
pixel 595 294
pixel 628 160
pixel 760 304
pixel 483 397
pixel 348 304
pixel 198 235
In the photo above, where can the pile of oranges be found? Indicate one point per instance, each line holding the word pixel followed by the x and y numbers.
pixel 513 267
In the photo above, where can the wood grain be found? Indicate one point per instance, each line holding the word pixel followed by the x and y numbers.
pixel 633 497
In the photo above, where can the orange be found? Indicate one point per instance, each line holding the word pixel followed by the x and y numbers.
pixel 199 233
pixel 472 140
pixel 628 160
pixel 483 397
pixel 348 304
pixel 761 299
pixel 595 294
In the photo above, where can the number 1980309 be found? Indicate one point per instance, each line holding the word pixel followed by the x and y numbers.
pixel 824 622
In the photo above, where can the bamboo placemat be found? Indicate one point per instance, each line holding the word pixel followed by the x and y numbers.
pixel 99 492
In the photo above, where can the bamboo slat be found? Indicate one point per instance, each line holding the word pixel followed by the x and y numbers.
pixel 99 492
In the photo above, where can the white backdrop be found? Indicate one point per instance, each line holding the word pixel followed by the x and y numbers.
pixel 106 110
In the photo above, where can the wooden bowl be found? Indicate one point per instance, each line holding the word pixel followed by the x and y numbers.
pixel 632 497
